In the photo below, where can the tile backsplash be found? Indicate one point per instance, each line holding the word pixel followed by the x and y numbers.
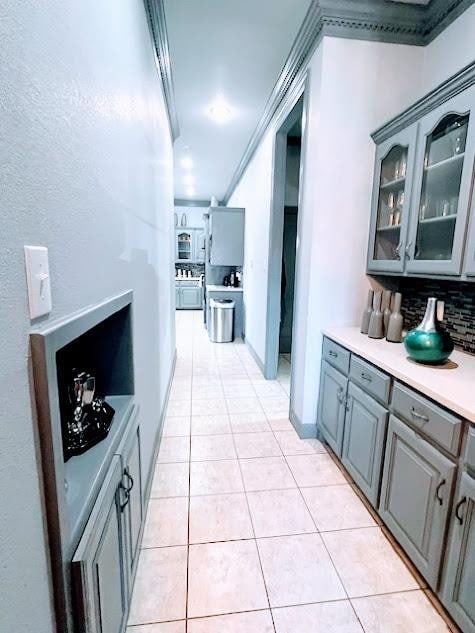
pixel 196 269
pixel 459 300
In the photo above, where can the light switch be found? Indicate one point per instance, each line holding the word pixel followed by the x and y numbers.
pixel 37 277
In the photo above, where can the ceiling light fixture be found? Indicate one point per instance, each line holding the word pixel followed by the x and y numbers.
pixel 187 162
pixel 190 191
pixel 188 179
pixel 219 111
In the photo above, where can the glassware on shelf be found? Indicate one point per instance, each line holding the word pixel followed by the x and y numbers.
pixel 391 207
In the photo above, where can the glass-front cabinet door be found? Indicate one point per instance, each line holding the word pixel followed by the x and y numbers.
pixel 184 246
pixel 442 184
pixel 391 201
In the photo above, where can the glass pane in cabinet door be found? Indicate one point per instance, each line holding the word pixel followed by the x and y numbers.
pixel 392 186
pixel 443 164
pixel 184 245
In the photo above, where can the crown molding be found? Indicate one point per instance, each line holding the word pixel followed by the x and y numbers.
pixel 158 28
pixel 459 82
pixel 374 20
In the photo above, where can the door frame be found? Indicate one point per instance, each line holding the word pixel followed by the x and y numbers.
pixel 276 225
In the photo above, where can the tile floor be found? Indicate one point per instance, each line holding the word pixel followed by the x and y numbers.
pixel 250 529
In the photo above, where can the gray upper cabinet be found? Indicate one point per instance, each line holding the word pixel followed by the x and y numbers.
pixel 184 243
pixel 331 406
pixel 99 567
pixel 199 246
pixel 458 589
pixel 394 166
pixel 415 496
pixel 227 236
pixel 469 266
pixel 442 184
pixel 365 431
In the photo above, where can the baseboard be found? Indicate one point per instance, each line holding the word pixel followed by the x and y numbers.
pixel 156 447
pixel 254 355
pixel 305 431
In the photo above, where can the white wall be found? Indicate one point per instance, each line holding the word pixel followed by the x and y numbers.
pixel 254 193
pixel 86 170
pixel 453 49
pixel 355 86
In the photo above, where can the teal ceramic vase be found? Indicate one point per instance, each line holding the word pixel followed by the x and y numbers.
pixel 428 343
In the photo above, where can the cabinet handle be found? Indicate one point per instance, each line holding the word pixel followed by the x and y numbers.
pixel 439 486
pixel 462 501
pixel 366 377
pixel 397 250
pixel 407 250
pixel 339 395
pixel 419 416
pixel 332 353
pixel 348 403
pixel 127 497
pixel 130 479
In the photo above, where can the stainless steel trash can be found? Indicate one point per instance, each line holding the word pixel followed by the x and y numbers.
pixel 221 320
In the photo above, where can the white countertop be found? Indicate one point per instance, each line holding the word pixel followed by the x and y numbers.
pixel 452 384
pixel 223 288
pixel 187 278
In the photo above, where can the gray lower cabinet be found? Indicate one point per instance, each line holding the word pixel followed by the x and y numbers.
pixel 99 564
pixel 363 444
pixel 331 406
pixel 104 564
pixel 188 295
pixel 191 298
pixel 458 589
pixel 415 496
pixel 132 484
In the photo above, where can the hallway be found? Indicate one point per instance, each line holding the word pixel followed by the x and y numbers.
pixel 252 530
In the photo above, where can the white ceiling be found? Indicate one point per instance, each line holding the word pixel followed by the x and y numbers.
pixel 235 49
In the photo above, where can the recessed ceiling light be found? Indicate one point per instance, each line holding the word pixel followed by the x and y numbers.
pixel 188 179
pixel 190 191
pixel 186 162
pixel 219 111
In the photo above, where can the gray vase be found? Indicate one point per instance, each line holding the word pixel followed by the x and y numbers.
pixel 376 326
pixel 386 309
pixel 396 322
pixel 367 313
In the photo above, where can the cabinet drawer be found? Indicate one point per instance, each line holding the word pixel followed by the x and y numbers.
pixel 371 379
pixel 427 417
pixel 336 355
pixel 188 283
pixel 469 455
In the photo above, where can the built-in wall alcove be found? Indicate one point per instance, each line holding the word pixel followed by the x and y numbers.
pixel 83 359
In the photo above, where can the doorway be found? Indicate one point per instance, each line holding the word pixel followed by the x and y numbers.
pixel 283 244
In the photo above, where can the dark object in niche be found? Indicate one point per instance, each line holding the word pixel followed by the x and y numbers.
pixel 90 415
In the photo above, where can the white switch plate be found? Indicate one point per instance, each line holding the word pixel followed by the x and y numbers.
pixel 37 277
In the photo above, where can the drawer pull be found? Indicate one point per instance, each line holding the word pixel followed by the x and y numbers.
pixel 462 501
pixel 333 354
pixel 127 497
pixel 366 377
pixel 437 490
pixel 340 395
pixel 130 479
pixel 419 416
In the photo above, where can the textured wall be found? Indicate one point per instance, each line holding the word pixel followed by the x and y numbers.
pixel 459 300
pixel 86 170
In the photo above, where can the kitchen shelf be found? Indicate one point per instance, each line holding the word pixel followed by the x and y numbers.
pixel 398 183
pixel 447 162
pixel 443 219
pixel 388 229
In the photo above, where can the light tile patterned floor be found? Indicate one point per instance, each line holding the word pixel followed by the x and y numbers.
pixel 252 530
